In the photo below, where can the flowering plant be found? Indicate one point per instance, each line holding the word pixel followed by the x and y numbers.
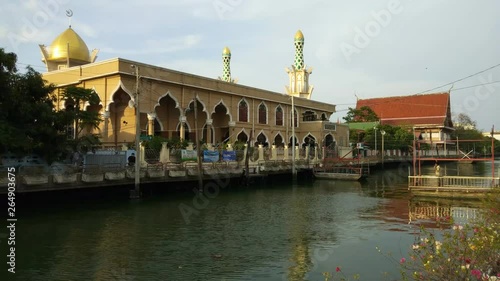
pixel 462 252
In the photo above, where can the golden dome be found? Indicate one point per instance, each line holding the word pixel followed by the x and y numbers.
pixel 226 51
pixel 78 50
pixel 299 35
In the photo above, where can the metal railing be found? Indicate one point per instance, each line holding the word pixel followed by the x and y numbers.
pixel 453 182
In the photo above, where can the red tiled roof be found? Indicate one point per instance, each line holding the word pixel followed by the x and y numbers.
pixel 429 109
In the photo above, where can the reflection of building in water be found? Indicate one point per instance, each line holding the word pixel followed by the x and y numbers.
pixel 299 257
pixel 425 210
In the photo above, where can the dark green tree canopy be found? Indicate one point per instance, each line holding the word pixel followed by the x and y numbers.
pixel 363 114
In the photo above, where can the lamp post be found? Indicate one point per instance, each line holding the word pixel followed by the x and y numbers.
pixel 375 129
pixel 294 172
pixel 137 190
pixel 382 132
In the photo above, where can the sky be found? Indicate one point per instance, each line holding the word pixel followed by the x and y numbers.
pixel 358 49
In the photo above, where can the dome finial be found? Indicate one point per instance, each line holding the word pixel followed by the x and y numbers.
pixel 299 35
pixel 69 14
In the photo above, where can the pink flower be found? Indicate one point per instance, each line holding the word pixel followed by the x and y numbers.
pixel 476 273
pixel 402 260
pixel 337 269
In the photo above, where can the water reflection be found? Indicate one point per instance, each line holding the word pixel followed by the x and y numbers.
pixel 288 232
pixel 428 211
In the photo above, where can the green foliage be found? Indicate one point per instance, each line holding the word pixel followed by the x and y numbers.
pixel 177 143
pixel 395 137
pixel 77 98
pixel 363 114
pixel 155 143
pixel 28 121
pixel 239 145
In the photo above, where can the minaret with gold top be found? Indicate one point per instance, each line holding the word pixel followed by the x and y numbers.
pixel 298 74
pixel 226 66
pixel 67 50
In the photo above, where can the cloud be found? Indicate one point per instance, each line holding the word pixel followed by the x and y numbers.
pixel 159 46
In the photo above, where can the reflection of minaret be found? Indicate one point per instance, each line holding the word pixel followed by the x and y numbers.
pixel 300 257
pixel 226 66
pixel 298 74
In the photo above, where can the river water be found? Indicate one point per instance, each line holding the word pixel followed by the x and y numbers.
pixel 273 232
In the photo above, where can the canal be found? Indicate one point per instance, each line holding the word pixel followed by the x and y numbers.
pixel 278 232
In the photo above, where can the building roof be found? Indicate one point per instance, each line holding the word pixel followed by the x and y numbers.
pixel 415 110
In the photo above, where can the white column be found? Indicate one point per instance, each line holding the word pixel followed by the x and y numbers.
pixel 307 152
pixel 105 129
pixel 164 153
pixel 182 119
pixel 297 156
pixel 261 152
pixel 285 152
pixel 274 152
pixel 143 160
pixel 151 123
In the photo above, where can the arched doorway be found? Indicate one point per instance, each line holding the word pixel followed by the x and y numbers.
pixel 242 137
pixel 220 123
pixel 278 141
pixel 309 140
pixel 167 116
pixel 261 139
pixel 330 149
pixel 290 141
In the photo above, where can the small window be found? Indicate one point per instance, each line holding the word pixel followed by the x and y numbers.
pixel 243 111
pixel 262 114
pixel 279 116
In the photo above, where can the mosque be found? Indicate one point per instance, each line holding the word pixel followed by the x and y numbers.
pixel 175 104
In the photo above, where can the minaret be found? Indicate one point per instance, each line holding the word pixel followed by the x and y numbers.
pixel 299 50
pixel 226 66
pixel 298 74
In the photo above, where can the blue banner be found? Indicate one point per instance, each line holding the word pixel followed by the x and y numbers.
pixel 228 156
pixel 210 156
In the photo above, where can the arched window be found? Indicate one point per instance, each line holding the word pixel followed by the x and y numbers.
pixel 279 116
pixel 262 114
pixel 243 111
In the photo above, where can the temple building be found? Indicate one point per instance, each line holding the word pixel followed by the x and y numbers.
pixel 225 111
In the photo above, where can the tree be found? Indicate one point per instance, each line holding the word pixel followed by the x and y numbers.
pixel 76 116
pixel 465 122
pixel 363 114
pixel 28 120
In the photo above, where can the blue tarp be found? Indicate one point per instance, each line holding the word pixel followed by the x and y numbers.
pixel 228 155
pixel 210 156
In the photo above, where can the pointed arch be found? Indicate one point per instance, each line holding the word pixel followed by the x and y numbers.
pixel 203 109
pixel 263 113
pixel 240 134
pixel 262 138
pixel 243 110
pixel 309 139
pixel 290 140
pixel 168 94
pixel 119 86
pixel 228 112
pixel 279 140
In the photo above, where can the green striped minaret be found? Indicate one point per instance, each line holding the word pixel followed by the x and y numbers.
pixel 226 68
pixel 299 50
